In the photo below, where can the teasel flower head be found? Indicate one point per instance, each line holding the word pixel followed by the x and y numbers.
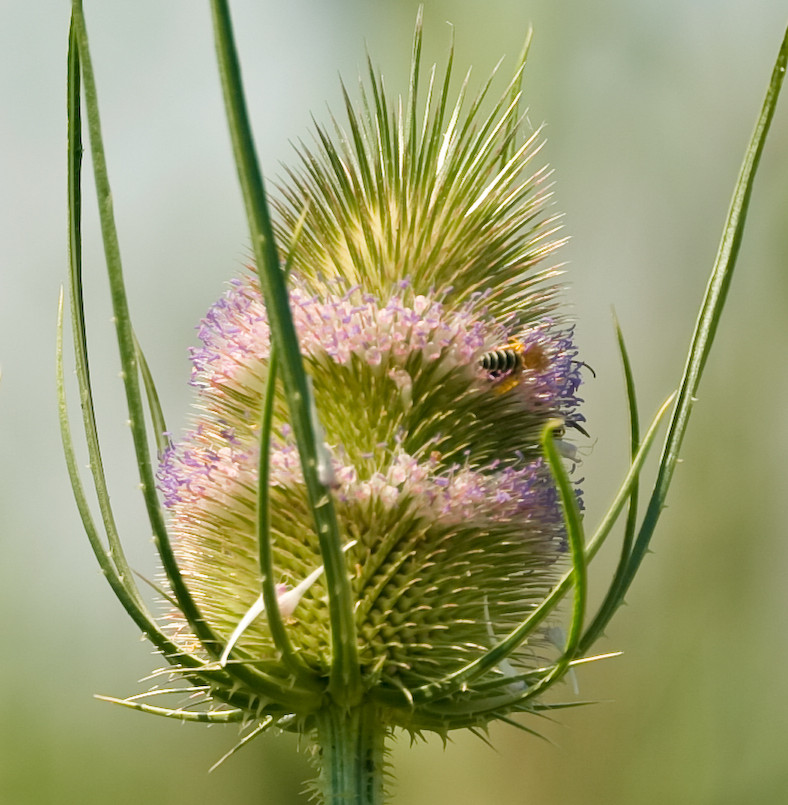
pixel 375 537
pixel 372 518
pixel 435 472
pixel 423 292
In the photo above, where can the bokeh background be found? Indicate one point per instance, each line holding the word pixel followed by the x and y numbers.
pixel 649 105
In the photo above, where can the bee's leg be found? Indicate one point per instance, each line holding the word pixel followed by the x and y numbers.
pixel 506 383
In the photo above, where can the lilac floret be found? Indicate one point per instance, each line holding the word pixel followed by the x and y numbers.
pixel 218 459
pixel 235 334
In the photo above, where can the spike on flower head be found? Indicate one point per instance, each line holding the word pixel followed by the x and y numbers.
pixel 416 247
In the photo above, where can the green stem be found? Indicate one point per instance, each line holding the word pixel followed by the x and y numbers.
pixel 351 745
pixel 345 679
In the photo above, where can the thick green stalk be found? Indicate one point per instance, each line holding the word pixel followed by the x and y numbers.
pixel 351 745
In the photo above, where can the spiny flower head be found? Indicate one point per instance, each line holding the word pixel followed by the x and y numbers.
pixel 427 323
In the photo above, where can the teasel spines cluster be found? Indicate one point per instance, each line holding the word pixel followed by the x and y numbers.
pixel 440 193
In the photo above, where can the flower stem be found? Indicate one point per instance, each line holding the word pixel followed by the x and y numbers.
pixel 351 745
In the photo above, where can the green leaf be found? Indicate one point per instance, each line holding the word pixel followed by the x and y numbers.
pixel 575 537
pixel 154 405
pixel 705 327
pixel 614 592
pixel 122 582
pixel 125 338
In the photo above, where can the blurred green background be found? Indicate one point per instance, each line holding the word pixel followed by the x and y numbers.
pixel 648 105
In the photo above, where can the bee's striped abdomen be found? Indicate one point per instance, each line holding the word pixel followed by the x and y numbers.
pixel 503 361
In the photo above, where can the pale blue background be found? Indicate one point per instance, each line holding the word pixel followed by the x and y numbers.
pixel 648 105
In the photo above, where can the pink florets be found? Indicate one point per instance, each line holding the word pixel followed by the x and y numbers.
pixel 219 458
pixel 235 332
pixel 193 476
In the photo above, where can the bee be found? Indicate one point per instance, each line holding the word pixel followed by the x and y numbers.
pixel 505 364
